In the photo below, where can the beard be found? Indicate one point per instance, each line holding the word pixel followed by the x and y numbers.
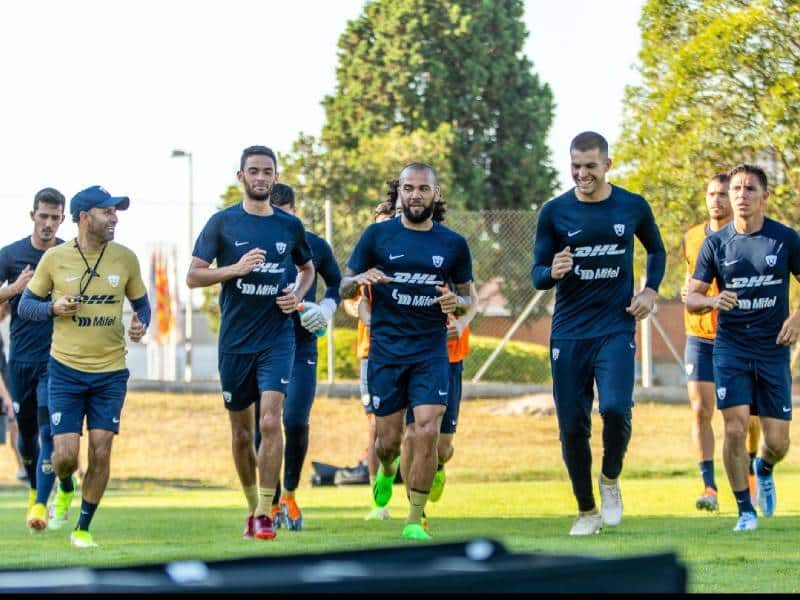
pixel 258 196
pixel 421 217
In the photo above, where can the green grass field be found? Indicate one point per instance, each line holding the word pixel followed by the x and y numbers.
pixel 173 495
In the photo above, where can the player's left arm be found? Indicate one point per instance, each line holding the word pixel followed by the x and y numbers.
pixel 648 233
pixel 459 300
pixel 790 330
pixel 136 293
pixel 456 326
pixel 301 255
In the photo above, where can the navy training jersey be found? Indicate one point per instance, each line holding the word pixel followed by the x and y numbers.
pixel 406 326
pixel 326 267
pixel 29 340
pixel 592 298
pixel 757 266
pixel 250 318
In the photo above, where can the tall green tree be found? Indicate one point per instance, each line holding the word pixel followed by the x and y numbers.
pixel 411 66
pixel 720 85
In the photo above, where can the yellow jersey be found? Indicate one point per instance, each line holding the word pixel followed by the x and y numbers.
pixel 93 340
pixel 705 325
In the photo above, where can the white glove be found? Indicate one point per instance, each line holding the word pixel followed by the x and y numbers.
pixel 316 316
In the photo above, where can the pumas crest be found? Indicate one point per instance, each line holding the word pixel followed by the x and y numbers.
pixel 771 259
pixel 280 247
pixel 619 229
pixel 438 261
pixel 113 280
pixel 721 393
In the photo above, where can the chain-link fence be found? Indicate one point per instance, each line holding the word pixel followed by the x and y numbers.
pixel 501 243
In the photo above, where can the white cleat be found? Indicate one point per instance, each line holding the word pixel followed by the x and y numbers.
pixel 747 522
pixel 587 524
pixel 610 503
pixel 379 513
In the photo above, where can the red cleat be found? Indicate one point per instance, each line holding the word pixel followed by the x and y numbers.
pixel 264 528
pixel 249 528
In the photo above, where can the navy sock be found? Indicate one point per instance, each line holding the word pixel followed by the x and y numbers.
pixel 439 467
pixel 750 464
pixel 764 468
pixel 295 451
pixel 277 495
pixel 67 484
pixel 87 512
pixel 46 476
pixel 707 472
pixel 743 501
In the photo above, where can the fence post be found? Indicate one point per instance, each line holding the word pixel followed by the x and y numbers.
pixel 329 239
pixel 523 315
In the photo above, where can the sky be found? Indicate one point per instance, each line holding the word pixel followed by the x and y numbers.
pixel 102 92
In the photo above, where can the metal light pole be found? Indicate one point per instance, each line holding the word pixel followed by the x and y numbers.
pixel 187 369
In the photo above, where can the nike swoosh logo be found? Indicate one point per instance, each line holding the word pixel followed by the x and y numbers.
pixel 784 409
pixel 441 393
pixel 114 420
pixel 237 244
pixel 71 277
pixel 396 256
pixel 571 233
pixel 729 263
pixel 284 381
pixel 311 362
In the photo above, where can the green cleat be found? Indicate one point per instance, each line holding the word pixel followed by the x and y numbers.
pixel 415 531
pixel 382 488
pixel 437 487
pixel 82 539
pixel 60 510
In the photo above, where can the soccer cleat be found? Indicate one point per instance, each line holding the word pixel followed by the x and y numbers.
pixel 747 522
pixel 82 539
pixel 382 488
pixel 587 524
pixel 708 501
pixel 292 515
pixel 437 487
pixel 415 531
pixel 22 474
pixel 249 528
pixel 610 503
pixel 277 516
pixel 378 513
pixel 59 512
pixel 264 528
pixel 37 518
pixel 31 498
pixel 765 491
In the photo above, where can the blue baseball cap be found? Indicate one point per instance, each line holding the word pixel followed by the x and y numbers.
pixel 95 197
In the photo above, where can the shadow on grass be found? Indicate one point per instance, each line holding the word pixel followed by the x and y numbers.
pixel 140 483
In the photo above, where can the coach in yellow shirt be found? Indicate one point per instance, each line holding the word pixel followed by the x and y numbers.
pixel 89 279
pixel 701 330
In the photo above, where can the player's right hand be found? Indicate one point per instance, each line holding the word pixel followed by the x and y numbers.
pixel 371 276
pixel 684 292
pixel 725 301
pixel 22 280
pixel 249 261
pixel 66 306
pixel 562 264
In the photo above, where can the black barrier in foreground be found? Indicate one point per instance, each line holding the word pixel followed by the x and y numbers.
pixel 478 566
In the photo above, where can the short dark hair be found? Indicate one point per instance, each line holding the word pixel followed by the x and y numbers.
pixel 720 178
pixel 439 209
pixel 589 140
pixel 392 191
pixel 420 166
pixel 48 195
pixel 752 170
pixel 282 195
pixel 257 151
pixel 385 208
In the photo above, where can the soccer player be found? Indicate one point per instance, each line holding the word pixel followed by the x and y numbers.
pixel 253 245
pixel 30 347
pixel 751 259
pixel 408 262
pixel 89 279
pixel 303 383
pixel 701 329
pixel 584 247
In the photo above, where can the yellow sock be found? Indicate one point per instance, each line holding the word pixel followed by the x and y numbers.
pixel 416 504
pixel 265 496
pixel 251 493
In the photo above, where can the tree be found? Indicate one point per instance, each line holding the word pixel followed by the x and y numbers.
pixel 720 85
pixel 407 67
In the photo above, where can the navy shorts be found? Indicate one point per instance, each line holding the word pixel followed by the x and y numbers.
pixel 303 386
pixel 75 394
pixel 244 377
pixel 765 385
pixel 27 384
pixel 697 357
pixel 394 387
pixel 577 364
pixel 450 418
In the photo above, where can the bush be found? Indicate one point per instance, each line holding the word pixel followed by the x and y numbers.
pixel 519 362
